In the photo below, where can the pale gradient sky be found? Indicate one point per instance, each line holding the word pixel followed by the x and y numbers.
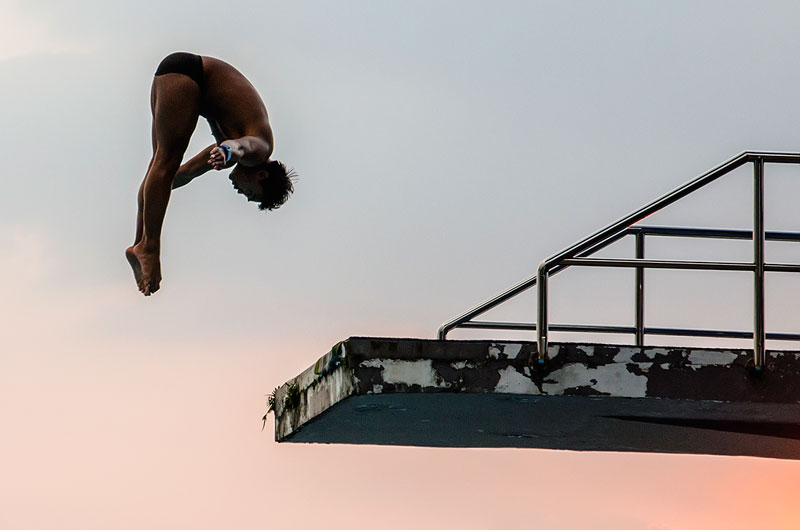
pixel 444 149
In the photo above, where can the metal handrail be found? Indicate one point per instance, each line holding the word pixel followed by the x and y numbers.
pixel 579 255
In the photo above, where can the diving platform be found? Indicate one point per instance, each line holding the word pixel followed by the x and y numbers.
pixel 586 397
pixel 574 396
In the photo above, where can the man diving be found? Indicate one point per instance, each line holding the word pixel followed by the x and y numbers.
pixel 185 87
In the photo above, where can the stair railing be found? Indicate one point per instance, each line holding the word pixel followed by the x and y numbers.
pixel 580 254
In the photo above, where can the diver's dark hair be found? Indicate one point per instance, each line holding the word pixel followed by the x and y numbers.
pixel 276 186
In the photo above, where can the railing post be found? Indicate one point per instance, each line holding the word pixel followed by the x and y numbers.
pixel 759 333
pixel 640 290
pixel 541 315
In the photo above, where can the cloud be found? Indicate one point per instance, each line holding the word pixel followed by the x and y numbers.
pixel 23 35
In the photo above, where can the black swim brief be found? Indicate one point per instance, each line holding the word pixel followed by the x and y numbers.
pixel 184 63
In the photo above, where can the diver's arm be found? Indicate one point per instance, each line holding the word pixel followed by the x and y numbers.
pixel 193 168
pixel 248 150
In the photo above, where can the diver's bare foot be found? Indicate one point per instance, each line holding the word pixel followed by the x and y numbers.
pixel 134 262
pixel 146 268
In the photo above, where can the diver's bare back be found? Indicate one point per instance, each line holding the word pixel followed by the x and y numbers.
pixel 231 103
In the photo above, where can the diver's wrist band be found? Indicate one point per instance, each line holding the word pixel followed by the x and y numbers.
pixel 228 152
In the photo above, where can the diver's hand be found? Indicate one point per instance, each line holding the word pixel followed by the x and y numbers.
pixel 222 156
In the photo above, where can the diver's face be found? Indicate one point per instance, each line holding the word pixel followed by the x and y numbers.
pixel 246 182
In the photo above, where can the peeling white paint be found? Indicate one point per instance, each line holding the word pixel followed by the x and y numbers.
pixel 625 355
pixel 613 379
pixel 337 385
pixel 505 350
pixel 460 365
pixel 652 353
pixel 512 350
pixel 407 372
pixel 372 363
pixel 711 357
pixel 513 382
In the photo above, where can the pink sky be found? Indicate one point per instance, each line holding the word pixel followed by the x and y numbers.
pixel 151 435
pixel 173 441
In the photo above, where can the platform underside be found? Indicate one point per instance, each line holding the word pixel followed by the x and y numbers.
pixel 580 423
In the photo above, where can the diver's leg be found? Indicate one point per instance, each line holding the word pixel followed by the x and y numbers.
pixel 175 111
pixel 134 263
pixel 140 197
